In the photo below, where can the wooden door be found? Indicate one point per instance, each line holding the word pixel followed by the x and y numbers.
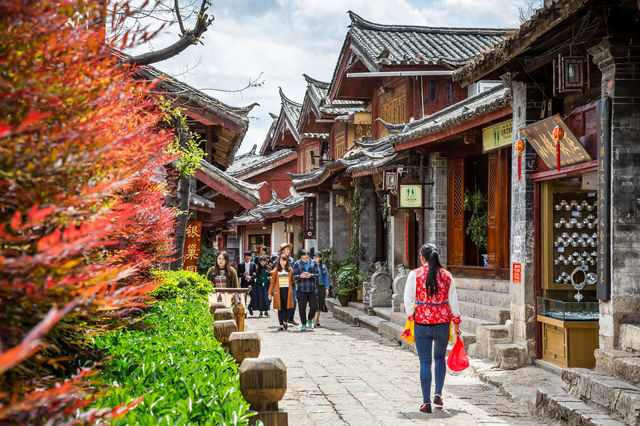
pixel 498 189
pixel 456 211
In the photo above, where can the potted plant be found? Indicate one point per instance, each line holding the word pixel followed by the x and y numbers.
pixel 347 280
pixel 476 204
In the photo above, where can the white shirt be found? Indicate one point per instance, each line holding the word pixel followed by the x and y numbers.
pixel 410 296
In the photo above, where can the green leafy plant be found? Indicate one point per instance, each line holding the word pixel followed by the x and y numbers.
pixel 176 365
pixel 476 204
pixel 207 258
pixel 348 278
pixel 183 284
pixel 189 154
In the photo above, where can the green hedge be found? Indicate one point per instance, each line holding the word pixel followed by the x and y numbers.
pixel 177 365
pixel 181 284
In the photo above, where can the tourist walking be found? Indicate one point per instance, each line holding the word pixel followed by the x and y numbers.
pixel 248 272
pixel 222 274
pixel 263 282
pixel 430 300
pixel 322 287
pixel 287 249
pixel 306 274
pixel 280 289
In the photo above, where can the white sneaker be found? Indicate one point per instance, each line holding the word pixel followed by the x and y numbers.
pixel 310 325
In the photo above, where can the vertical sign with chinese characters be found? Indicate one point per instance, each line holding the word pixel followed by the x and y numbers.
pixel 604 199
pixel 192 246
pixel 309 219
pixel 516 273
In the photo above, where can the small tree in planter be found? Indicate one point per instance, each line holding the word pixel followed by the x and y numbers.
pixel 476 204
pixel 348 278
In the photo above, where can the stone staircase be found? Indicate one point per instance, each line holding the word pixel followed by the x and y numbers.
pixel 607 395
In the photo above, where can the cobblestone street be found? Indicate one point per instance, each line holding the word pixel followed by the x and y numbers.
pixel 340 374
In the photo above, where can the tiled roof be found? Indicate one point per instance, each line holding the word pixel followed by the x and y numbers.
pixel 472 107
pixel 416 45
pixel 324 136
pixel 317 92
pixel 245 163
pixel 274 208
pixel 290 108
pixel 245 189
pixel 196 200
pixel 288 119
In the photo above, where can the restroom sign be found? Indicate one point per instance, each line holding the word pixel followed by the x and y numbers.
pixel 410 196
pixel 516 273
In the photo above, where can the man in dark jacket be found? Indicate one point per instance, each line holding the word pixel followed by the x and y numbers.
pixel 247 273
pixel 306 273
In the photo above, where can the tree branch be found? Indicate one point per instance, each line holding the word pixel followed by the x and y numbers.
pixel 187 39
pixel 179 18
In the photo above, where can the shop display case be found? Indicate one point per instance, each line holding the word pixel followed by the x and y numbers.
pixel 568 310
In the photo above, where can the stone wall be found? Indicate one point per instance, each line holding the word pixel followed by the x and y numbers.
pixel 619 62
pixel 341 228
pixel 322 220
pixel 526 109
pixel 435 221
pixel 368 238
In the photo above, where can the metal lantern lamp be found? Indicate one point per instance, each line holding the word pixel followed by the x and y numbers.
pixel 519 147
pixel 558 135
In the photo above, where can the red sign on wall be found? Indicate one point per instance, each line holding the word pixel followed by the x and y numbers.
pixel 517 273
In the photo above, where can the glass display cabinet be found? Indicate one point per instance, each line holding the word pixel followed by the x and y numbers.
pixel 568 310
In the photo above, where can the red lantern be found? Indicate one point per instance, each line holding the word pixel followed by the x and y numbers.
pixel 519 147
pixel 558 135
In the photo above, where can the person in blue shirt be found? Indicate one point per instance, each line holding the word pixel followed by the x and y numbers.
pixel 322 287
pixel 306 273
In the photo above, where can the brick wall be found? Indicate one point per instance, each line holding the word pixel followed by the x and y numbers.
pixel 435 221
pixel 341 228
pixel 368 238
pixel 322 220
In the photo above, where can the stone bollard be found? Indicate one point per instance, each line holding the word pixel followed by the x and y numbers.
pixel 263 382
pixel 223 329
pixel 215 305
pixel 223 314
pixel 244 345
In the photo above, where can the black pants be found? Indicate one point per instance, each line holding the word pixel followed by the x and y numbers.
pixel 305 297
pixel 292 312
pixel 283 313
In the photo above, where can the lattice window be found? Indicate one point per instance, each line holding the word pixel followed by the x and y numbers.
pixel 492 183
pixel 458 196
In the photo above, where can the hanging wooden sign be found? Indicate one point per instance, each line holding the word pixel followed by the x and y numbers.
pixel 540 136
pixel 192 242
pixel 603 286
pixel 309 218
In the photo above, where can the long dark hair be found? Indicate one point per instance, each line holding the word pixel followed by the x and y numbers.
pixel 227 264
pixel 260 267
pixel 430 253
pixel 279 267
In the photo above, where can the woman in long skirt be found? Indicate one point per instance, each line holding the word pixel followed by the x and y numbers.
pixel 263 280
pixel 322 287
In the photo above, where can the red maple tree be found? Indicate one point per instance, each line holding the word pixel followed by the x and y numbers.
pixel 82 200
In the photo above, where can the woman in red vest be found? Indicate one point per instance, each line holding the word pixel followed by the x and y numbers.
pixel 431 301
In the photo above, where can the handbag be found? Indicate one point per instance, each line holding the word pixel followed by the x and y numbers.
pixel 408 334
pixel 458 359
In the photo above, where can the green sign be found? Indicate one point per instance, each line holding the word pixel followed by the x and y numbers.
pixel 410 196
pixel 497 136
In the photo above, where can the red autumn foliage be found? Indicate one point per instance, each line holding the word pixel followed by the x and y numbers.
pixel 82 201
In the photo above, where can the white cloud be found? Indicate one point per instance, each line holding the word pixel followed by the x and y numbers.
pixel 286 38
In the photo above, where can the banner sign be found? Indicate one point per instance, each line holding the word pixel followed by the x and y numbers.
pixel 604 199
pixel 192 240
pixel 410 196
pixel 309 218
pixel 516 275
pixel 540 136
pixel 497 136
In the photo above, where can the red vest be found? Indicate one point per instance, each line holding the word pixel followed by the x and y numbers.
pixel 434 309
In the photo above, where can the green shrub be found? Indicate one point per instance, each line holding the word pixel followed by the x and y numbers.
pixel 207 259
pixel 178 367
pixel 183 284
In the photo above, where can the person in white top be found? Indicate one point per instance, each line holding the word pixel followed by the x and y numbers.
pixel 430 300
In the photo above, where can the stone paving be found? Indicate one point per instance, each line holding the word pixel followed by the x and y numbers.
pixel 340 374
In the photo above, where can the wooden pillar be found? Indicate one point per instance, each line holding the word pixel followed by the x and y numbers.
pixel 263 382
pixel 239 315
pixel 244 345
pixel 222 331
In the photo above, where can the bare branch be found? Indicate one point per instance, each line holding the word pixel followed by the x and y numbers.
pixel 179 18
pixel 187 39
pixel 252 83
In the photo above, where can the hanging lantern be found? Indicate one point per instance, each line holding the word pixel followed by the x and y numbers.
pixel 519 147
pixel 558 135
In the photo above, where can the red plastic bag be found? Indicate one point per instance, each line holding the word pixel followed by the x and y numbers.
pixel 458 359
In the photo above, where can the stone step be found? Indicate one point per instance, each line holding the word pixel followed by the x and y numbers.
pixel 384 313
pixel 369 321
pixel 357 305
pixel 493 314
pixel 346 314
pixel 330 302
pixel 488 335
pixel 470 324
pixel 552 402
pixel 614 396
pixel 500 286
pixel 509 356
pixel 391 331
pixel 482 297
pixel 621 364
pixel 630 337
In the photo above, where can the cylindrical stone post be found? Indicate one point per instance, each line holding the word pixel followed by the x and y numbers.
pixel 223 314
pixel 263 382
pixel 244 345
pixel 222 331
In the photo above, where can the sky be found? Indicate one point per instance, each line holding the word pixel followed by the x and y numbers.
pixel 277 41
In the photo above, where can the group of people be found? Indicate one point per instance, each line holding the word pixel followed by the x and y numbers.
pixel 280 279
